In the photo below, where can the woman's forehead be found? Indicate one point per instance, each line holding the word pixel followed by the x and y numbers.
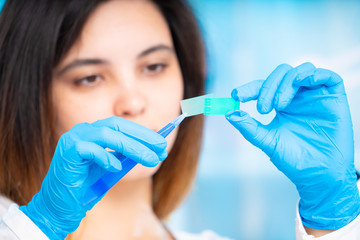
pixel 130 22
pixel 122 27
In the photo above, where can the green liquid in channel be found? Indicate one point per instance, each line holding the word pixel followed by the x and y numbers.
pixel 220 106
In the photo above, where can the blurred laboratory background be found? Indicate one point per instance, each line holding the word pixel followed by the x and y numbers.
pixel 238 193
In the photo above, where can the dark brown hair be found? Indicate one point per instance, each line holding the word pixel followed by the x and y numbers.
pixel 34 37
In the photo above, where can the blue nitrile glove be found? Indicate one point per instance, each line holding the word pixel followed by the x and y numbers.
pixel 80 159
pixel 2 3
pixel 310 140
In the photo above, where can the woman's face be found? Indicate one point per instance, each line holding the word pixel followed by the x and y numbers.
pixel 123 64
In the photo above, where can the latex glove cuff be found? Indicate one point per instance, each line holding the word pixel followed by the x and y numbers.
pixel 337 209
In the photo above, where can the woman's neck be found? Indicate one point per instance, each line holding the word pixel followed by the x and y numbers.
pixel 125 212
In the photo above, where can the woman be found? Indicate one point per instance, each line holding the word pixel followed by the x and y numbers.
pixel 85 64
pixel 117 65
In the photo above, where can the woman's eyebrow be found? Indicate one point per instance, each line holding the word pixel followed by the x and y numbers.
pixel 155 48
pixel 80 63
pixel 95 61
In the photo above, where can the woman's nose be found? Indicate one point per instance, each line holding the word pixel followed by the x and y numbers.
pixel 129 103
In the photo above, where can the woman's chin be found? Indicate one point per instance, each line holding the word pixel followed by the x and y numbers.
pixel 139 172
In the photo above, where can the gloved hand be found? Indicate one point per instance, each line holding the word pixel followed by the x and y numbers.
pixel 80 159
pixel 310 140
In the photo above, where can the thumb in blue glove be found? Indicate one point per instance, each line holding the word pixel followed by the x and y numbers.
pixel 80 159
pixel 310 139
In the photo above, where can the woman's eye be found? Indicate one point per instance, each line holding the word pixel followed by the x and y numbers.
pixel 155 68
pixel 88 81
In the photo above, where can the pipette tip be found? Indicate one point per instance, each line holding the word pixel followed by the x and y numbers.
pixel 179 119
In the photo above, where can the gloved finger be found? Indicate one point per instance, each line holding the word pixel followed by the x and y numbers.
pixel 268 90
pixel 322 77
pixel 138 151
pixel 162 156
pixel 93 152
pixel 286 91
pixel 146 136
pixel 252 130
pixel 136 131
pixel 247 92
